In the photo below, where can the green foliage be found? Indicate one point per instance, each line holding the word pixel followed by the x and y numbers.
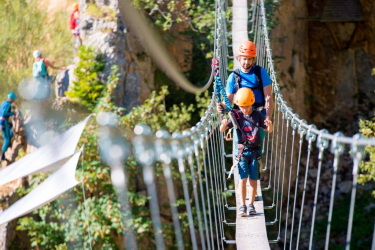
pixel 25 27
pixel 199 15
pixel 104 12
pixel 157 115
pixel 88 88
pixel 367 128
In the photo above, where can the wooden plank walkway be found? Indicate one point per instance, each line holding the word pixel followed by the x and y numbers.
pixel 251 230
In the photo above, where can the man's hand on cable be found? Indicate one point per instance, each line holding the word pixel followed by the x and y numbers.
pixel 220 106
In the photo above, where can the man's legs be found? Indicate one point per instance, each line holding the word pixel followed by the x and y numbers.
pixel 7 136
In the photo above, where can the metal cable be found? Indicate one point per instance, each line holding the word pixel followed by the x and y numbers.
pixel 172 200
pixel 282 185
pixel 152 40
pixel 185 188
pixel 213 197
pixel 196 151
pixel 215 189
pixel 294 126
pixel 322 144
pixel 337 150
pixel 357 153
pixel 207 192
pixel 302 132
pixel 310 138
pixel 196 199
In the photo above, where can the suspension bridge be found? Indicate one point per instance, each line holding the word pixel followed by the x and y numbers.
pixel 203 158
pixel 285 156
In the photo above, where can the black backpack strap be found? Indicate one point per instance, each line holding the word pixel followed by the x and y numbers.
pixel 258 75
pixel 237 79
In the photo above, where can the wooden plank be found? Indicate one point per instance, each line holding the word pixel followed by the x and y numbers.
pixel 239 26
pixel 251 231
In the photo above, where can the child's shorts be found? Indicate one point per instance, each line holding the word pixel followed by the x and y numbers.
pixel 251 169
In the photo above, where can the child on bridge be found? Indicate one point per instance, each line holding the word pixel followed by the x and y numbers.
pixel 249 123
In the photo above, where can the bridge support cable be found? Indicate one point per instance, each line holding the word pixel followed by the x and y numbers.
pixel 196 198
pixel 196 152
pixel 294 126
pixel 278 181
pixel 284 164
pixel 337 149
pixel 356 152
pixel 322 145
pixel 142 149
pixel 215 185
pixel 173 203
pixel 301 132
pixel 202 139
pixel 310 137
pixel 214 206
pixel 220 167
pixel 275 192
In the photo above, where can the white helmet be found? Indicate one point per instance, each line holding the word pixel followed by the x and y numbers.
pixel 36 54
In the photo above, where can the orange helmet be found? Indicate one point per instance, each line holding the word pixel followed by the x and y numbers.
pixel 245 97
pixel 75 6
pixel 247 48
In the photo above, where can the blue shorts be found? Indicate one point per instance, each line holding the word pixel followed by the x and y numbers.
pixel 251 169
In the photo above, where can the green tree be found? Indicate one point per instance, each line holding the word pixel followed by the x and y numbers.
pixel 367 128
pixel 88 88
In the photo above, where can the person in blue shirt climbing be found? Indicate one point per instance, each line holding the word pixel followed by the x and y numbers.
pixel 251 76
pixel 5 113
pixel 40 72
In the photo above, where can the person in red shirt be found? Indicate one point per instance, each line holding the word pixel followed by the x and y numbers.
pixel 74 23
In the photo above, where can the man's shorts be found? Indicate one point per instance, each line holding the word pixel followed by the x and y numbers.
pixel 251 169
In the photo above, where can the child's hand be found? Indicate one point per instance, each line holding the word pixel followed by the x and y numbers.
pixel 269 125
pixel 225 122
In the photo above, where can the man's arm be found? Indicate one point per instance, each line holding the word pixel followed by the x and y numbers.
pixel 269 101
pixel 49 64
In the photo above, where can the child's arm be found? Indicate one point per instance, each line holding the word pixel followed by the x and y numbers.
pixel 224 125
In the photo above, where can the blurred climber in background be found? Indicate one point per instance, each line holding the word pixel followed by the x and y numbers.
pixel 5 113
pixel 40 73
pixel 74 25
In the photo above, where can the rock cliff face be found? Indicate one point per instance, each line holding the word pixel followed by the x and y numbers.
pixel 324 70
pixel 329 64
pixel 102 27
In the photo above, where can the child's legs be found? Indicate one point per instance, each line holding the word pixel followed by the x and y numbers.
pixel 243 170
pixel 253 190
pixel 242 190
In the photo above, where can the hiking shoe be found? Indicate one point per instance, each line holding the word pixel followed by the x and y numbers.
pixel 252 210
pixel 242 211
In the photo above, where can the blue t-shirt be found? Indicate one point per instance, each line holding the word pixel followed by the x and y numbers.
pixel 250 125
pixel 249 80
